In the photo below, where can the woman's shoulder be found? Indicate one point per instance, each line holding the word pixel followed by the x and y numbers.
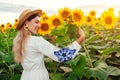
pixel 34 38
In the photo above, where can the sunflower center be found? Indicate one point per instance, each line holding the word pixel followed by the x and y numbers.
pixel 2 25
pixel 16 20
pixel 45 18
pixel 65 14
pixel 56 22
pixel 96 23
pixel 77 17
pixel 92 13
pixel 10 25
pixel 89 19
pixel 108 20
pixel 45 27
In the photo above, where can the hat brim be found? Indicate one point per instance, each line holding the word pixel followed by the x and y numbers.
pixel 20 23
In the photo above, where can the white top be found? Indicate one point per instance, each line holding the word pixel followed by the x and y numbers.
pixel 33 60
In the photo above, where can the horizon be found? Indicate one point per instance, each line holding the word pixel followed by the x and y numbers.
pixel 8 12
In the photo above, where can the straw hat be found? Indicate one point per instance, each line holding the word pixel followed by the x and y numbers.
pixel 25 14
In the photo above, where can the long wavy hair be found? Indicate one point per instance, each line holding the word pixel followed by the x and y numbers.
pixel 19 42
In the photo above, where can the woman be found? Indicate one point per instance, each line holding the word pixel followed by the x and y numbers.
pixel 30 50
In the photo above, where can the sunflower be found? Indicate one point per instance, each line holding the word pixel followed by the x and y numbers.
pixel 3 30
pixel 45 28
pixel 108 19
pixel 119 25
pixel 97 24
pixel 16 20
pixel 9 25
pixel 2 26
pixel 55 21
pixel 92 13
pixel 111 9
pixel 64 13
pixel 15 23
pixel 90 20
pixel 78 17
pixel 119 16
pixel 44 16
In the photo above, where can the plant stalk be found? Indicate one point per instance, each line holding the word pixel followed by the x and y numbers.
pixel 88 56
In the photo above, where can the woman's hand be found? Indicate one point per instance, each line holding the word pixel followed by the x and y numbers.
pixel 52 38
pixel 82 36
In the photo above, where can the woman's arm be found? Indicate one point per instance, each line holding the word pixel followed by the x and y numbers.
pixel 82 36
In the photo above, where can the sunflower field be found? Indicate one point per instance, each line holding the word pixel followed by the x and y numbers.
pixel 98 59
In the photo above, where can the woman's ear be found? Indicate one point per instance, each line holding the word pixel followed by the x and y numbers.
pixel 26 23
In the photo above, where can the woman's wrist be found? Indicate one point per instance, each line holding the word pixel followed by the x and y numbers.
pixel 81 39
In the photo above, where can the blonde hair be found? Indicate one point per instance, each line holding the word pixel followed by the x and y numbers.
pixel 19 44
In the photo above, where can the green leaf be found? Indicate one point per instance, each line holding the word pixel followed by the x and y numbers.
pixel 78 69
pixel 72 77
pixel 102 70
pixel 72 31
pixel 99 71
pixel 16 77
pixel 114 71
pixel 92 38
pixel 8 57
pixel 89 72
pixel 4 77
pixel 59 31
pixel 109 50
pixel 74 61
pixel 57 77
pixel 117 36
pixel 100 63
pixel 62 41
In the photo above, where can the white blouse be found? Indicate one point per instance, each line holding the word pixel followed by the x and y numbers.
pixel 33 60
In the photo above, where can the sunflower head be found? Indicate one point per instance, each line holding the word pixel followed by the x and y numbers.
pixel 78 17
pixel 108 19
pixel 97 24
pixel 16 20
pixel 119 25
pixel 4 30
pixel 45 28
pixel 15 23
pixel 44 16
pixel 55 21
pixel 9 25
pixel 119 16
pixel 89 20
pixel 111 9
pixel 64 13
pixel 2 25
pixel 92 13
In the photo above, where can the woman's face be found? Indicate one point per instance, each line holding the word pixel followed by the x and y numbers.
pixel 34 25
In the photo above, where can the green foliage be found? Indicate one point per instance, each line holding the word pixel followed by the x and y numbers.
pixel 65 34
pixel 99 62
pixel 7 66
pixel 101 70
pixel 57 77
pixel 78 67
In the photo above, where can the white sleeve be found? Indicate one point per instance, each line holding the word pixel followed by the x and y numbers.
pixel 55 53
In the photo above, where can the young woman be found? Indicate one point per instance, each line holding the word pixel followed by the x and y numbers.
pixel 30 50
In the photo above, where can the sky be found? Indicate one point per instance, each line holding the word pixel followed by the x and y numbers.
pixel 10 9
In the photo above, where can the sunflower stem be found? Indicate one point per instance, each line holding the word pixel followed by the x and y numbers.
pixel 88 56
